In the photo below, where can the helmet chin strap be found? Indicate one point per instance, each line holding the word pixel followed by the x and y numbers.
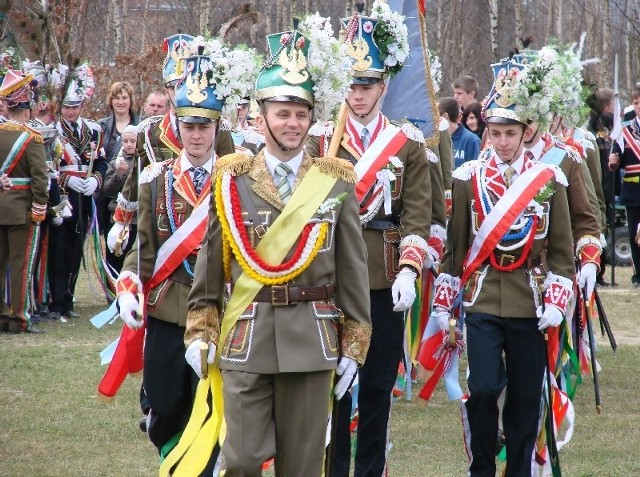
pixel 530 141
pixel 362 116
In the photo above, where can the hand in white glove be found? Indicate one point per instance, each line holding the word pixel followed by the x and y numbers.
pixel 56 221
pixel 442 317
pixel 192 355
pixel 587 277
pixel 603 240
pixel 75 183
pixel 347 369
pixel 90 186
pixel 403 291
pixel 551 317
pixel 113 234
pixel 128 306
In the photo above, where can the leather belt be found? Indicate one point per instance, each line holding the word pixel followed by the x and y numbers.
pixel 380 225
pixel 505 259
pixel 283 295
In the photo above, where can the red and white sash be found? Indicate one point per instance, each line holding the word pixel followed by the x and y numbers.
pixel 387 143
pixel 504 214
pixel 181 243
pixel 632 143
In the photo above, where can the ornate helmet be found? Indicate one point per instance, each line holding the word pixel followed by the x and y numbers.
pixel 177 49
pixel 16 89
pixel 500 105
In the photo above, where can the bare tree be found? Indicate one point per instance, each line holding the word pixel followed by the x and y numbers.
pixel 494 28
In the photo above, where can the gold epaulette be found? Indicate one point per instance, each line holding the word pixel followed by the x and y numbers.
pixel 338 168
pixel 235 164
pixel 16 127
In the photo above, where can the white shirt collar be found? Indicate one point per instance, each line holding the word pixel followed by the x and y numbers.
pixel 173 120
pixel 294 163
pixel 517 165
pixel 185 163
pixel 373 124
pixel 537 149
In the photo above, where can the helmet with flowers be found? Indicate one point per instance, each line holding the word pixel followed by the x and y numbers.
pixel 377 44
pixel 500 105
pixel 75 84
pixel 216 76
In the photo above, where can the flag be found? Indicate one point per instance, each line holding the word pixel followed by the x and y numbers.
pixel 410 94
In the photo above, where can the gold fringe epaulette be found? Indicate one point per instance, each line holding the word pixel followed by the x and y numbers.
pixel 16 127
pixel 235 164
pixel 338 168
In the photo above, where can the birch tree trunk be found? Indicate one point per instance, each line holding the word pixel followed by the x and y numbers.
pixel 519 34
pixel 203 16
pixel 550 18
pixel 145 27
pixel 607 52
pixel 628 47
pixel 117 26
pixel 494 28
pixel 280 15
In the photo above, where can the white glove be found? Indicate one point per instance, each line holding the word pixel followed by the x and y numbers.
pixel 128 306
pixel 113 234
pixel 347 369
pixel 56 221
pixel 403 291
pixel 75 183
pixel 192 355
pixel 551 317
pixel 442 317
pixel 587 277
pixel 603 240
pixel 90 186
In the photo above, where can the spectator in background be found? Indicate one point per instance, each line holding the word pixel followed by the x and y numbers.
pixel 121 105
pixel 117 173
pixel 155 104
pixel 466 145
pixel 472 119
pixel 465 90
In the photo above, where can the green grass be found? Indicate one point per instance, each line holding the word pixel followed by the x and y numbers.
pixel 51 423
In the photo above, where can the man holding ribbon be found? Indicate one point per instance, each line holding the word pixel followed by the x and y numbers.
pixel 284 234
pixel 509 252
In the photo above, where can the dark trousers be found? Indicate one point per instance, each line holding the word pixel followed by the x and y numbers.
pixel 521 369
pixel 169 383
pixel 633 218
pixel 376 378
pixel 66 244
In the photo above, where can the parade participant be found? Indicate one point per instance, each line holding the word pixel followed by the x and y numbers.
pixel 82 171
pixel 296 264
pixel 395 212
pixel 42 120
pixel 509 251
pixel 157 142
pixel 550 85
pixel 174 198
pixel 117 172
pixel 245 137
pixel 23 201
pixel 629 161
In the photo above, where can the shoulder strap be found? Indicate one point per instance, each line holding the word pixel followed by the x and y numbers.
pixel 247 201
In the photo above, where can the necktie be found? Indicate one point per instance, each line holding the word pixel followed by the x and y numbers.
pixel 364 136
pixel 508 176
pixel 282 181
pixel 528 156
pixel 198 178
pixel 76 132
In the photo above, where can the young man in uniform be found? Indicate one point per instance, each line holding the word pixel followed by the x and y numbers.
pixel 509 251
pixel 173 207
pixel 82 172
pixel 285 234
pixel 158 141
pixel 23 201
pixel 395 212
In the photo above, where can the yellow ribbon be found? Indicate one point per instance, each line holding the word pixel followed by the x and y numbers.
pixel 206 426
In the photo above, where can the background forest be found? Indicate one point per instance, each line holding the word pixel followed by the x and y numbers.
pixel 122 39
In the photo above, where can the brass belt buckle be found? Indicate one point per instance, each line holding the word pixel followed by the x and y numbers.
pixel 508 258
pixel 274 296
